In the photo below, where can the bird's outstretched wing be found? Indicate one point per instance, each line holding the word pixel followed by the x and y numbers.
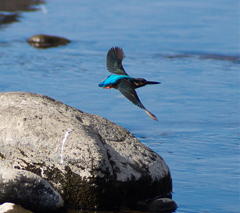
pixel 126 88
pixel 114 61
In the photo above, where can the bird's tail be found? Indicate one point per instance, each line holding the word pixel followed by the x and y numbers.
pixel 151 115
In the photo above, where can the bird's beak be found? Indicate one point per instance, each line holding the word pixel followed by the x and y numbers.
pixel 153 82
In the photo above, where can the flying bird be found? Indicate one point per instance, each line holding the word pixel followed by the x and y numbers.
pixel 122 81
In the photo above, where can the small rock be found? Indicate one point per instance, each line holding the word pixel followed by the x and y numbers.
pixel 162 205
pixel 27 189
pixel 8 18
pixel 46 41
pixel 18 6
pixel 12 208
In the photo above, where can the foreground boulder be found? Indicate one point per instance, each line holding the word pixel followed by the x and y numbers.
pixel 90 161
pixel 46 41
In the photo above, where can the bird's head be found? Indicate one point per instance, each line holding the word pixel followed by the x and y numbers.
pixel 139 82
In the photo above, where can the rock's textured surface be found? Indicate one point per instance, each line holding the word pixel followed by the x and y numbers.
pixel 46 41
pixel 19 186
pixel 91 161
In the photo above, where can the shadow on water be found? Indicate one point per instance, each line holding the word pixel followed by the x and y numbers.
pixel 10 9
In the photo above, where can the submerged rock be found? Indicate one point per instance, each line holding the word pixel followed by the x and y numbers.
pixel 8 18
pixel 162 205
pixel 16 5
pixel 28 189
pixel 210 56
pixel 10 10
pixel 46 41
pixel 92 162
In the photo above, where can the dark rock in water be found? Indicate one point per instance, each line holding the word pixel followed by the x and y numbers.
pixel 92 162
pixel 8 18
pixel 46 41
pixel 27 189
pixel 10 9
pixel 159 205
pixel 19 5
pixel 231 58
pixel 177 56
pixel 162 205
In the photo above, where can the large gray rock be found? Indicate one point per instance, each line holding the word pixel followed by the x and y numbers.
pixel 92 162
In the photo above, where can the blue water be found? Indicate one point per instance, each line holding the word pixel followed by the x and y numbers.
pixel 197 103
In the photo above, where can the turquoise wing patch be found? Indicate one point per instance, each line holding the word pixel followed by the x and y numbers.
pixel 112 79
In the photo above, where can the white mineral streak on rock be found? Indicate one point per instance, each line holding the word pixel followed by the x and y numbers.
pixel 63 142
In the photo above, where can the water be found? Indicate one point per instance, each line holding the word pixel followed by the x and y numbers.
pixel 197 103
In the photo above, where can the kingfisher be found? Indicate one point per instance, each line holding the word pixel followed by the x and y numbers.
pixel 121 81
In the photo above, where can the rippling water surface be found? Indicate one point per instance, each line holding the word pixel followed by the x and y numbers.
pixel 192 47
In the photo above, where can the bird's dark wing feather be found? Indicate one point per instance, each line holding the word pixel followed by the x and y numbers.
pixel 126 88
pixel 114 61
